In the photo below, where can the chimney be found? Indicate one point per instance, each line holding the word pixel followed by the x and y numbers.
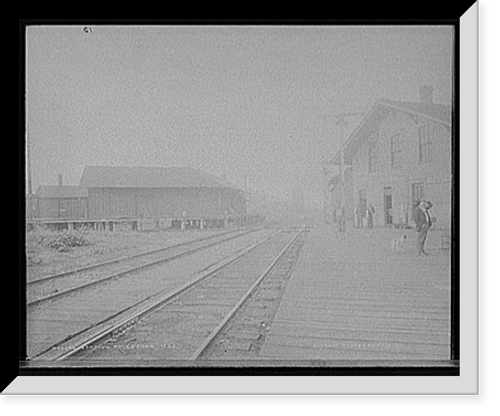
pixel 426 94
pixel 59 182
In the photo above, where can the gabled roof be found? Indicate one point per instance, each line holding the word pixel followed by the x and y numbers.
pixel 61 192
pixel 149 177
pixel 439 113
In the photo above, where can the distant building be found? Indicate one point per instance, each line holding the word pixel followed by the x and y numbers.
pixel 400 153
pixel 157 192
pixel 60 202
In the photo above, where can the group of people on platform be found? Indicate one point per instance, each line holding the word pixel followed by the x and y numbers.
pixel 364 218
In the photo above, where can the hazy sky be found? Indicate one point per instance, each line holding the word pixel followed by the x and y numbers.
pixel 255 101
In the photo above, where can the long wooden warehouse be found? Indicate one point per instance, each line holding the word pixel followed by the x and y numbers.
pixel 158 193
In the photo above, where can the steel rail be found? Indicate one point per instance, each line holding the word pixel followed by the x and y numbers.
pixel 124 258
pixel 131 270
pixel 76 342
pixel 203 347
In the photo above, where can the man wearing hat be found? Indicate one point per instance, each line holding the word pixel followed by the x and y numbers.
pixel 423 221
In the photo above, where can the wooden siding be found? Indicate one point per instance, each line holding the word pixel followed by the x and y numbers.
pixel 65 208
pixel 163 203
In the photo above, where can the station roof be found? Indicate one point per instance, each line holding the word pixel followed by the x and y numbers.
pixel 61 192
pixel 149 177
pixel 439 113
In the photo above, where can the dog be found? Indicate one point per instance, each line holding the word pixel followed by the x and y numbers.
pixel 398 243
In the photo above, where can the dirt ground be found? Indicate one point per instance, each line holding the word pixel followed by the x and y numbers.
pixel 49 252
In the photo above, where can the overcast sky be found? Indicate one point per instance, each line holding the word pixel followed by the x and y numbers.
pixel 255 101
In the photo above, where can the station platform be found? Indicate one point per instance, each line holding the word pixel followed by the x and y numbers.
pixel 351 297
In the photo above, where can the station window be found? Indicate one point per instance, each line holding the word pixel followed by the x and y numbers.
pixel 417 191
pixel 426 134
pixel 372 156
pixel 396 150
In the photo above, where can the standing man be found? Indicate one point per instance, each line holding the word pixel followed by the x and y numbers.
pixel 423 221
pixel 357 217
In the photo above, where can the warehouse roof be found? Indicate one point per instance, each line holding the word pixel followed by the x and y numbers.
pixel 149 177
pixel 61 192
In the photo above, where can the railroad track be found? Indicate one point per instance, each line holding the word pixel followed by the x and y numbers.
pixel 61 284
pixel 50 322
pixel 193 315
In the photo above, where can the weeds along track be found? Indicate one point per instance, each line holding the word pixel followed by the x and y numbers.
pixel 187 318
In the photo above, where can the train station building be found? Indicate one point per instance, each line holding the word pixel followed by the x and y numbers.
pixel 399 153
pixel 158 193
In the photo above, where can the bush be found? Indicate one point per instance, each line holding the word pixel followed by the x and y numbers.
pixel 63 242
